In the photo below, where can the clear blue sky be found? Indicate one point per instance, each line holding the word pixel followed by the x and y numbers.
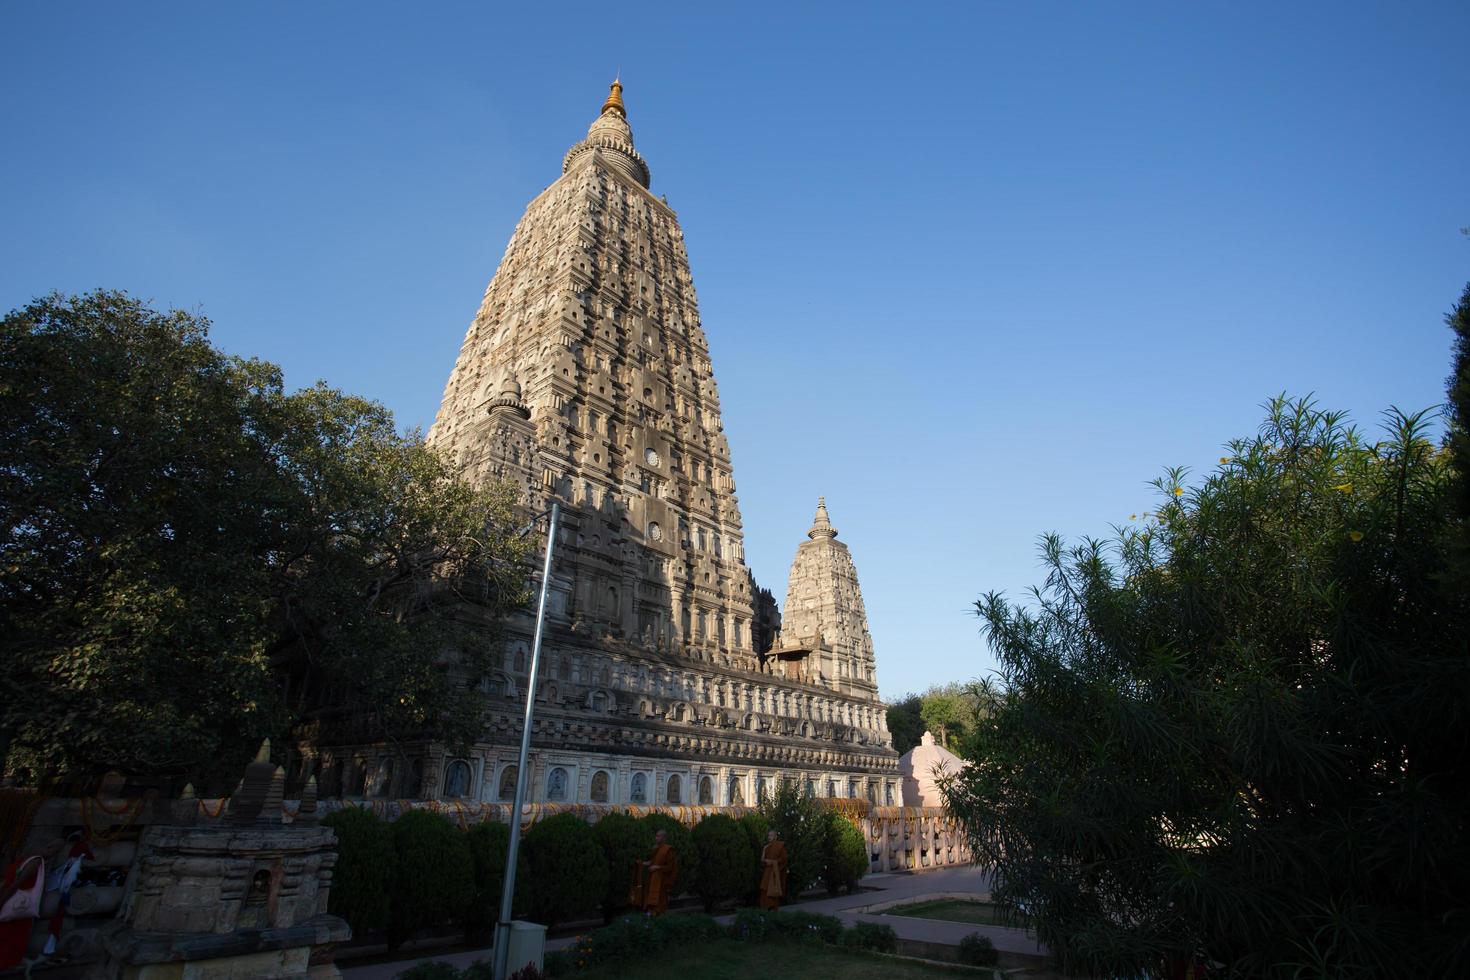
pixel 974 272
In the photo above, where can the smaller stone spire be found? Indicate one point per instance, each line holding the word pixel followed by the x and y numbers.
pixel 614 101
pixel 510 397
pixel 821 525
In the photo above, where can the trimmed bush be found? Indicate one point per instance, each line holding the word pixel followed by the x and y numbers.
pixel 432 879
pixel 755 827
pixel 976 949
pixel 478 970
pixel 725 860
pixel 489 844
pixel 363 876
pixel 434 970
pixel 636 936
pixel 682 844
pixel 566 873
pixel 871 935
pixel 758 925
pixel 558 962
pixel 844 853
pixel 623 840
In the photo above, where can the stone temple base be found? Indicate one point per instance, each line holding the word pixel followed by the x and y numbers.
pixel 267 954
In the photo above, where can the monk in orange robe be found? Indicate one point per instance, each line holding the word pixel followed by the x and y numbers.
pixel 663 870
pixel 773 871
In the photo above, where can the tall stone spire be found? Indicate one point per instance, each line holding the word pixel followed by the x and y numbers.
pixel 586 376
pixel 824 610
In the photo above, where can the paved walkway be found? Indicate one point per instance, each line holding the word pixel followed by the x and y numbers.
pixel 878 889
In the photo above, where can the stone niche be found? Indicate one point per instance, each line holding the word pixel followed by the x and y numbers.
pixel 246 897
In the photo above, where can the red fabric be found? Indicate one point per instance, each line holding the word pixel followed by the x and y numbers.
pixel 15 935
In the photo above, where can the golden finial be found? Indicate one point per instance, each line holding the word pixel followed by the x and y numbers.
pixel 614 101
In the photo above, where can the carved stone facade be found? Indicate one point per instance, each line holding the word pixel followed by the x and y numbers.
pixel 586 376
pixel 825 637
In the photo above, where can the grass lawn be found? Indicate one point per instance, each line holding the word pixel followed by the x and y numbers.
pixel 729 959
pixel 953 910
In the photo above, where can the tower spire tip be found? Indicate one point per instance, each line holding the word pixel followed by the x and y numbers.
pixel 614 101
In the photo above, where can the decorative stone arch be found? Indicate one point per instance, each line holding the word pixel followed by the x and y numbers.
pixel 505 783
pixel 674 790
pixel 601 789
pixel 681 711
pixel 459 778
pixel 706 791
pixel 358 776
pixel 502 683
pixel 601 700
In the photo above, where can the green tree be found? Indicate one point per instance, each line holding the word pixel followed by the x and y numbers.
pixel 1457 438
pixel 944 713
pixel 192 559
pixel 795 817
pixel 1237 731
pixel 905 723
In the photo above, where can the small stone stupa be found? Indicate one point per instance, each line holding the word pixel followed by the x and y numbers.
pixel 921 767
pixel 246 897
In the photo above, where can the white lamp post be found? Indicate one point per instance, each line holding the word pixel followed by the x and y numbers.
pixel 507 893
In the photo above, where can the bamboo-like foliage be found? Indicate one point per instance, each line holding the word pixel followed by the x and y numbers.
pixel 1237 731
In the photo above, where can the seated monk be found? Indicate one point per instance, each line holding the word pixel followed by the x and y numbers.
pixel 773 871
pixel 663 869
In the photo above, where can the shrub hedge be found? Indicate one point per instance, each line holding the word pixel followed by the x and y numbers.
pixel 844 853
pixel 636 937
pixel 725 860
pixel 871 935
pixel 363 874
pixel 623 840
pixel 683 844
pixel 489 844
pixel 755 827
pixel 421 871
pixel 977 949
pixel 432 878
pixel 565 872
